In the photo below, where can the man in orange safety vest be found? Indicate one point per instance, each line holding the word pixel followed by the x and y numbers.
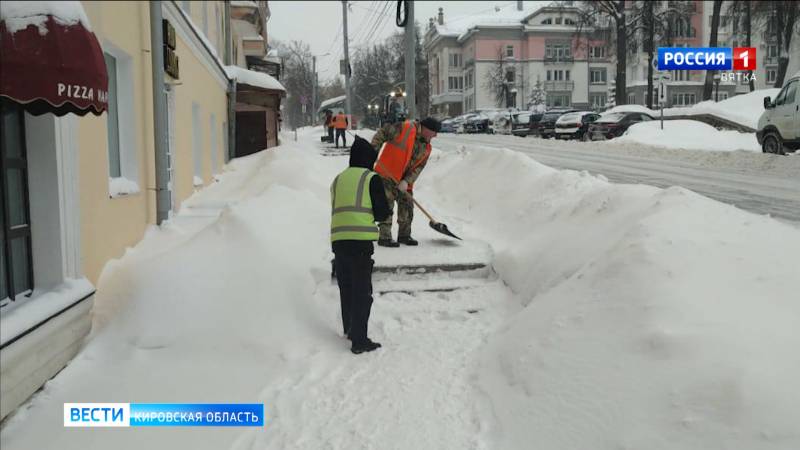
pixel 404 151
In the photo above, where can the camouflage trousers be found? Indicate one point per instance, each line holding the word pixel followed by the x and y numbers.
pixel 405 211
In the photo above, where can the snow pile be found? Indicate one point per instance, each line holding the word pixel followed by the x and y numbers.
pixel 655 318
pixel 689 134
pixel 745 109
pixel 122 186
pixel 253 78
pixel 632 108
pixel 20 15
pixel 208 315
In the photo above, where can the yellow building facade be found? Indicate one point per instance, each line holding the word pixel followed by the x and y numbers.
pixel 92 180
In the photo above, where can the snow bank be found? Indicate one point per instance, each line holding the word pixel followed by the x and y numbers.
pixel 745 109
pixel 691 135
pixel 253 78
pixel 19 15
pixel 202 315
pixel 655 318
pixel 331 101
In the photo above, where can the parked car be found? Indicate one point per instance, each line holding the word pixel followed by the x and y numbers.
pixel 520 123
pixel 574 125
pixel 448 126
pixel 534 124
pixel 779 125
pixel 477 123
pixel 547 125
pixel 611 125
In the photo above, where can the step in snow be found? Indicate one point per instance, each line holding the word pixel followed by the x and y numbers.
pixel 444 283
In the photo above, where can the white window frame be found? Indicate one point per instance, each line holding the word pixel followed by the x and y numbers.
pixel 632 98
pixel 509 51
pixel 772 75
pixel 126 124
pixel 197 145
pixel 213 144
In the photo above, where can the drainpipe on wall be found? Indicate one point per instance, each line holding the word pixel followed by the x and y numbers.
pixel 163 200
pixel 231 84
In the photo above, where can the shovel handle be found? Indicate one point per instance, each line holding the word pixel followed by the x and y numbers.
pixel 406 193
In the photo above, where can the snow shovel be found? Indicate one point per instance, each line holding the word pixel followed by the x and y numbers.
pixel 438 226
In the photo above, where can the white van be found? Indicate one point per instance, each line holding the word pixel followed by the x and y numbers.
pixel 779 124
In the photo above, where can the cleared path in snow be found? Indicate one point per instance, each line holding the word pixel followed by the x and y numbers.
pixel 751 184
pixel 415 392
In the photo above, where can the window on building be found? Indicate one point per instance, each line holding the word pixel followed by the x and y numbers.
pixel 112 119
pixel 721 96
pixel 685 99
pixel 197 145
pixel 772 51
pixel 568 21
pixel 772 74
pixel 558 100
pixel 16 261
pixel 510 51
pixel 558 20
pixel 597 76
pixel 558 52
pixel 510 75
pixel 597 52
pixel 632 98
pixel 214 145
pixel 454 59
pixel 122 149
pixel 468 79
pixel 547 22
pixel 680 75
pixel 598 100
pixel 455 83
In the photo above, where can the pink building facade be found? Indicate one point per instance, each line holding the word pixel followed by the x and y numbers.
pixel 536 50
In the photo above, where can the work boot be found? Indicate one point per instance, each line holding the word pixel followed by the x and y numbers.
pixel 388 243
pixel 366 346
pixel 407 240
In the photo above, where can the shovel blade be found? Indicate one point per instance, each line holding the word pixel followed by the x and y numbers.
pixel 442 228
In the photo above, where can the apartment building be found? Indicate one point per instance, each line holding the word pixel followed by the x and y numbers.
pixel 534 48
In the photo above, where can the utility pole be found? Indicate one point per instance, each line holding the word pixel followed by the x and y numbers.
pixel 411 61
pixel 348 108
pixel 314 90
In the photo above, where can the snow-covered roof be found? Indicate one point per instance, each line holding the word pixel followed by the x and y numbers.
pixel 253 78
pixel 19 15
pixel 507 15
pixel 332 101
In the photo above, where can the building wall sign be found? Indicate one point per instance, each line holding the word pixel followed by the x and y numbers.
pixel 171 62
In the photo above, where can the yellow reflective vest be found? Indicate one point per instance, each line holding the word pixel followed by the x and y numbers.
pixel 352 218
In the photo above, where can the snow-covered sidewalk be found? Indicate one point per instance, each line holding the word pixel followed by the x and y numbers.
pixel 613 316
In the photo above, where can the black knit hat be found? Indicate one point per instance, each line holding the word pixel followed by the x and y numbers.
pixel 431 124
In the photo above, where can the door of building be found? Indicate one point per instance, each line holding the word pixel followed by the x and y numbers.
pixel 251 132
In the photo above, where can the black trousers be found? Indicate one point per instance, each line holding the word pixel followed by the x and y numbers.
pixel 340 132
pixel 354 276
pixel 330 135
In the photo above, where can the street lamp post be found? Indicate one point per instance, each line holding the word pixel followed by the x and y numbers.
pixel 716 84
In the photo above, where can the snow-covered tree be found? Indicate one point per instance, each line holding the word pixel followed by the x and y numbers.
pixel 496 80
pixel 537 101
pixel 781 20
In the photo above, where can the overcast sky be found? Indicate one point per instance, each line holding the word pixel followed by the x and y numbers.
pixel 320 23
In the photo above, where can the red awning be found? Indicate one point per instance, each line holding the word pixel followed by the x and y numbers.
pixel 53 66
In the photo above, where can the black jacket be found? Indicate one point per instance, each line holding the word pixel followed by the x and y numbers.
pixel 362 154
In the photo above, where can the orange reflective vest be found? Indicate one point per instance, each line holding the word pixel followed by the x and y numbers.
pixel 395 155
pixel 340 121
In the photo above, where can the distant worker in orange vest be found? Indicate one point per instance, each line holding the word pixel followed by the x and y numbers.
pixel 340 122
pixel 404 148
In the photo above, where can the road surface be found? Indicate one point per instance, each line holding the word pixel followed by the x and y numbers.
pixel 763 184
